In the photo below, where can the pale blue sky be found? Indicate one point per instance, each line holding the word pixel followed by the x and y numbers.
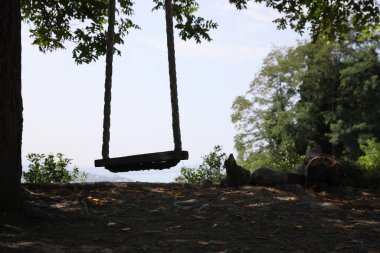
pixel 63 102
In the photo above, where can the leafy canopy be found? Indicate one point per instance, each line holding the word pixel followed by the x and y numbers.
pixel 53 22
pixel 321 94
pixel 324 18
pixel 82 22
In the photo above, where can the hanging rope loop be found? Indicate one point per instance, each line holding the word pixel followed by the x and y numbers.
pixel 173 76
pixel 159 160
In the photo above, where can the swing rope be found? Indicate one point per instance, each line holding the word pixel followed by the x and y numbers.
pixel 108 81
pixel 173 76
pixel 159 160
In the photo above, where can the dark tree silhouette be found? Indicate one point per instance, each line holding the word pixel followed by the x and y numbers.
pixel 10 105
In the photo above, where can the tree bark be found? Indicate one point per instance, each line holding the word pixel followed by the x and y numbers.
pixel 11 120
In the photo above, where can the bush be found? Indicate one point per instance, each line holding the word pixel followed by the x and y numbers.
pixel 210 169
pixel 255 160
pixel 370 161
pixel 366 171
pixel 190 175
pixel 354 175
pixel 44 169
pixel 283 157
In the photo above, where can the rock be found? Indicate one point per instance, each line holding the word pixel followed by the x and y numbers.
pixel 223 183
pixel 236 175
pixel 155 211
pixel 325 194
pixel 205 206
pixel 332 191
pixel 322 170
pixel 322 187
pixel 268 177
pixel 185 208
pixel 249 188
pixel 299 169
pixel 187 186
pixel 205 183
pixel 188 202
pixel 292 188
pixel 348 191
pixel 64 192
pixel 327 206
pixel 124 248
pixel 295 178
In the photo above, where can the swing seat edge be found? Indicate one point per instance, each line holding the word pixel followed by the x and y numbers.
pixel 158 160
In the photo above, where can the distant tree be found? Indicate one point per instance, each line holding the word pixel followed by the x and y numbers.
pixel 338 107
pixel 321 93
pixel 264 115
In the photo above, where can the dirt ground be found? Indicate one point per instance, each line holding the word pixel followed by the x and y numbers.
pixel 142 217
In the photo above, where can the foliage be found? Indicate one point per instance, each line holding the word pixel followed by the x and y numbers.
pixel 318 94
pixel 190 175
pixel 371 158
pixel 254 160
pixel 190 26
pixel 53 22
pixel 283 157
pixel 210 169
pixel 44 169
pixel 353 174
pixel 263 114
pixel 324 19
pixel 51 25
pixel 338 105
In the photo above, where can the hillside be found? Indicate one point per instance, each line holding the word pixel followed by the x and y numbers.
pixel 142 217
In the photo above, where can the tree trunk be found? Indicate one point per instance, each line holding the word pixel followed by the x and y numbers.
pixel 10 105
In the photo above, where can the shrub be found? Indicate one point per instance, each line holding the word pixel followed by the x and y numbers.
pixel 370 161
pixel 254 160
pixel 366 171
pixel 210 169
pixel 190 175
pixel 283 157
pixel 354 175
pixel 44 169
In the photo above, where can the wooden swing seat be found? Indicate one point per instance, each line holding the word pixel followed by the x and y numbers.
pixel 159 160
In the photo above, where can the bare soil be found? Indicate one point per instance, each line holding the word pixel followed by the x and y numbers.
pixel 143 217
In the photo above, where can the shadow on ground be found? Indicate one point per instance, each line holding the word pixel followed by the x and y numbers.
pixel 142 217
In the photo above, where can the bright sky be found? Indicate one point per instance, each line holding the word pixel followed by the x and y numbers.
pixel 63 102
